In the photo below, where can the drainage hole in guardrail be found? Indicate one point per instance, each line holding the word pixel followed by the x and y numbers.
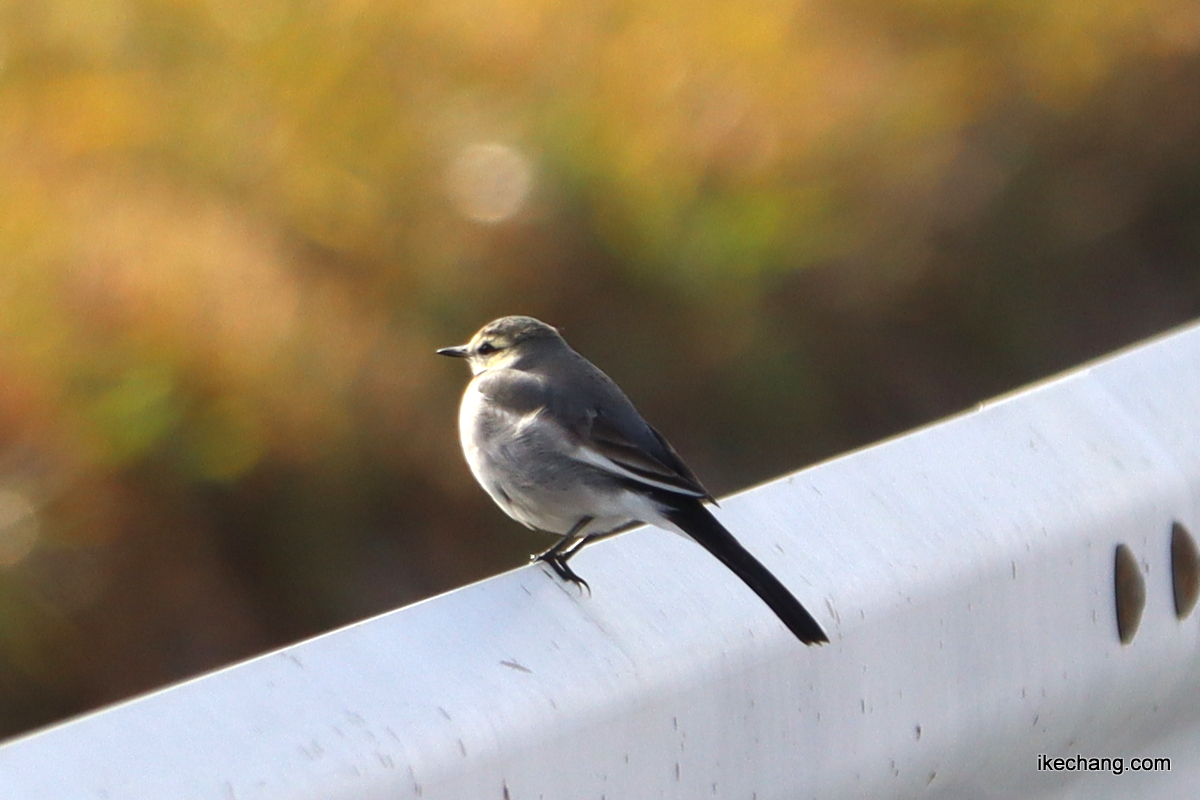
pixel 1185 570
pixel 1131 593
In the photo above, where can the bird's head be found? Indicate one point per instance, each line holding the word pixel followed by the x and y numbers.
pixel 501 342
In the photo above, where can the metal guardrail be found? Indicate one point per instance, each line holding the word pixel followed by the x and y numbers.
pixel 967 573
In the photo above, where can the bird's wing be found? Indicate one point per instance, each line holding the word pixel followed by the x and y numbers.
pixel 607 431
pixel 651 460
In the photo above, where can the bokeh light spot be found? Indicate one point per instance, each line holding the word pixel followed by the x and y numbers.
pixel 489 182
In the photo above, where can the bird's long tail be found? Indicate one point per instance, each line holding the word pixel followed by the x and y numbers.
pixel 698 522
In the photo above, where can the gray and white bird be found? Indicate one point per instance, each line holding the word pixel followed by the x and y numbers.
pixel 560 449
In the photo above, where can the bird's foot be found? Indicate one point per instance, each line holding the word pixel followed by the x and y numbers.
pixel 560 567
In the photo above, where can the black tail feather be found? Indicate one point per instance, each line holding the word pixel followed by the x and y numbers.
pixel 699 523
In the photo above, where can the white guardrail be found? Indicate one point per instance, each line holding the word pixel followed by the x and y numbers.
pixel 967 574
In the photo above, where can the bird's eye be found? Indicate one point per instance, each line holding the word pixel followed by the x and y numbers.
pixel 485 348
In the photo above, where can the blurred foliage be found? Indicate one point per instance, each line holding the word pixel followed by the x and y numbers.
pixel 232 234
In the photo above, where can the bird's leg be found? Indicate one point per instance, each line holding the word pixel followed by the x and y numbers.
pixel 569 552
pixel 597 536
pixel 562 550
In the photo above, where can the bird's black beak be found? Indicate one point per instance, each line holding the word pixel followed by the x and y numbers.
pixel 455 352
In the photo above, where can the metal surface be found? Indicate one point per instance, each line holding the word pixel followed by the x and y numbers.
pixel 965 573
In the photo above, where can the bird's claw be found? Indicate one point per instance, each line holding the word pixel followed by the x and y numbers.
pixel 560 567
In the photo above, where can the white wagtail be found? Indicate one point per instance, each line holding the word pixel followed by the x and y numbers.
pixel 560 448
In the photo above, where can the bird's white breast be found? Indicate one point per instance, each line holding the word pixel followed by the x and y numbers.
pixel 483 427
pixel 472 402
